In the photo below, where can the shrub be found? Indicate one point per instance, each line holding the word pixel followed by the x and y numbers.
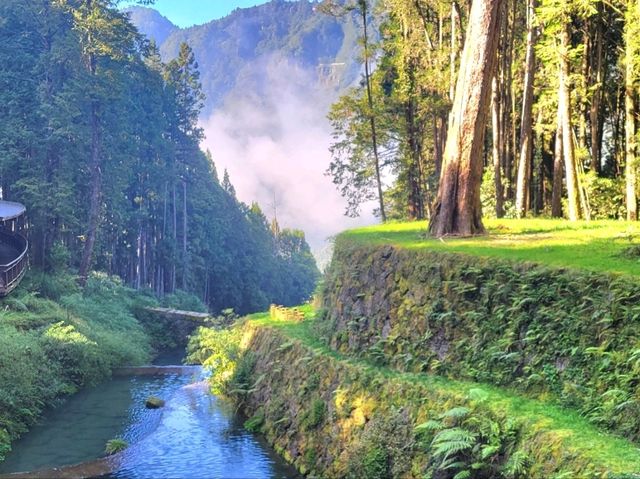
pixel 218 350
pixel 254 423
pixel 184 301
pixel 606 196
pixel 115 446
pixel 314 416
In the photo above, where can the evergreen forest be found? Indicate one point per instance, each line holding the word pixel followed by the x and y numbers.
pixel 99 139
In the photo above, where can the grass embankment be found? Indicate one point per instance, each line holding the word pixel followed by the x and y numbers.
pixel 56 338
pixel 565 429
pixel 594 246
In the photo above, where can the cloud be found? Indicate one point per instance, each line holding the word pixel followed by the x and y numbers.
pixel 273 137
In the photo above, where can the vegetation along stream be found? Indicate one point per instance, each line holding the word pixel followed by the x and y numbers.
pixel 194 435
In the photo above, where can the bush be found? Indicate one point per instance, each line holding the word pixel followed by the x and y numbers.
pixel 184 301
pixel 606 197
pixel 255 422
pixel 218 351
pixel 115 446
pixel 313 417
pixel 49 349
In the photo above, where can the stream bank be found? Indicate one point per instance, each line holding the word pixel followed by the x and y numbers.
pixel 195 433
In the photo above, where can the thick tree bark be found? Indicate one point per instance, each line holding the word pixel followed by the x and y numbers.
pixel 458 210
pixel 630 134
pixel 568 147
pixel 526 126
pixel 497 147
pixel 558 173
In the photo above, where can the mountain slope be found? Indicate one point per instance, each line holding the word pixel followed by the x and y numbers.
pixel 295 31
pixel 151 23
pixel 270 73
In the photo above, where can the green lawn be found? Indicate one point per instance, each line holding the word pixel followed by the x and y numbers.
pixel 604 449
pixel 595 245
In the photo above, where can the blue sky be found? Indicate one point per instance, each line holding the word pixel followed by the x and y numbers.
pixel 185 13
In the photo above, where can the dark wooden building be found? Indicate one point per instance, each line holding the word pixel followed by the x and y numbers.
pixel 13 246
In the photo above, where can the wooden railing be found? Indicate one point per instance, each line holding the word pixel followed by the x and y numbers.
pixel 12 272
pixel 281 313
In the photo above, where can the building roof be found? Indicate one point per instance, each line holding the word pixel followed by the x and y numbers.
pixel 10 210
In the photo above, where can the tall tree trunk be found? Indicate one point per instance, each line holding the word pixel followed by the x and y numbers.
pixel 568 147
pixel 95 196
pixel 526 128
pixel 558 173
pixel 454 50
pixel 633 15
pixel 372 116
pixel 596 99
pixel 497 147
pixel 458 209
pixel 174 211
pixel 416 196
pixel 185 262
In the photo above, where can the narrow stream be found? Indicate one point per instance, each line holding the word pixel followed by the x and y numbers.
pixel 195 435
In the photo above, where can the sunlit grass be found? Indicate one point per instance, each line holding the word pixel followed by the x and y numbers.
pixel 595 245
pixel 606 450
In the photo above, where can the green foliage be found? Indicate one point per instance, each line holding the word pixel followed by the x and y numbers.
pixel 255 422
pixel 475 443
pixel 5 444
pixel 100 139
pixel 51 349
pixel 375 463
pixel 314 415
pixel 488 196
pixel 565 335
pixel 115 446
pixel 184 301
pixel 606 197
pixel 218 350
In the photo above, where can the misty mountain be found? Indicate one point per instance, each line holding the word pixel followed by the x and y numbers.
pixel 151 23
pixel 270 74
pixel 230 51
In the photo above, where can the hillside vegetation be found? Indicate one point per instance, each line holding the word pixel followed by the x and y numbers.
pixel 51 346
pixel 339 415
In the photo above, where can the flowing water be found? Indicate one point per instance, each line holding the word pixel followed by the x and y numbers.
pixel 196 435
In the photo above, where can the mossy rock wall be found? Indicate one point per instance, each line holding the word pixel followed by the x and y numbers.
pixel 570 335
pixel 337 419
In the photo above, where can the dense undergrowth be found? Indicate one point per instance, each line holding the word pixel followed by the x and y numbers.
pixel 337 415
pixel 568 335
pixel 61 338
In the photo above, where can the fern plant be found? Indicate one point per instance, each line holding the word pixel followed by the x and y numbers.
pixel 466 443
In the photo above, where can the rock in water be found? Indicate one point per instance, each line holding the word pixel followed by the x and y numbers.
pixel 153 402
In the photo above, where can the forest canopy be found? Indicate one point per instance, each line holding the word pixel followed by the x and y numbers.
pixel 561 123
pixel 100 140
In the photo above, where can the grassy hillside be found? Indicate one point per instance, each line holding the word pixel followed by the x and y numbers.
pixel 606 246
